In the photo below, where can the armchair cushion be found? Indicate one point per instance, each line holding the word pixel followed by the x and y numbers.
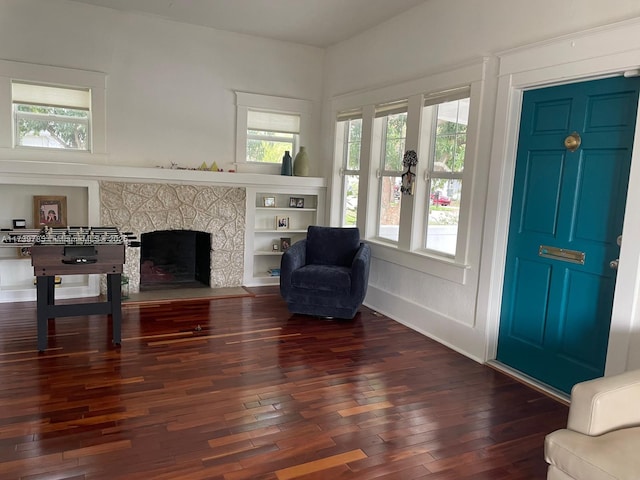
pixel 327 278
pixel 610 456
pixel 332 245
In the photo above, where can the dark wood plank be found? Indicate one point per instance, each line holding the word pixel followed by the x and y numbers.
pixel 256 393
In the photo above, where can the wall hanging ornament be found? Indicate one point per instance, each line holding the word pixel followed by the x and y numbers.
pixel 410 160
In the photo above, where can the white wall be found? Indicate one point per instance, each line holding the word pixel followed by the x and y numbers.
pixel 170 86
pixel 447 32
pixel 428 40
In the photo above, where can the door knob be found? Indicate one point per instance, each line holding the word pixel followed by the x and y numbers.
pixel 613 264
pixel 572 142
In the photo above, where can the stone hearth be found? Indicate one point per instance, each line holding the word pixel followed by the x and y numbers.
pixel 148 207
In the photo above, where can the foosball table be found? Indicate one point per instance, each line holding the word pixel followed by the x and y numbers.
pixel 78 251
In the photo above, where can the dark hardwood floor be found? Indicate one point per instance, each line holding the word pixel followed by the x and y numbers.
pixel 256 393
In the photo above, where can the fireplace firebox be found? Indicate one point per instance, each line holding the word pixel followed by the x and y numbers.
pixel 175 259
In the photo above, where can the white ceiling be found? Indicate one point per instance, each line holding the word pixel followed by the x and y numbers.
pixel 319 23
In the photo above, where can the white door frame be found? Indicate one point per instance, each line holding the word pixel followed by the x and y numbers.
pixel 596 53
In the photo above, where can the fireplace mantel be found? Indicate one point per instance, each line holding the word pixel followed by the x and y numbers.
pixel 92 179
pixel 48 172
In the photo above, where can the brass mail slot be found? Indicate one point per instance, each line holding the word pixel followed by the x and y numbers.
pixel 556 253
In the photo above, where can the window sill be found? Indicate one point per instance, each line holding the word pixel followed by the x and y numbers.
pixel 440 267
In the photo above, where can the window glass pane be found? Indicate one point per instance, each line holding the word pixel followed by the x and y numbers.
pixel 51 127
pixel 395 133
pixel 268 147
pixel 350 212
pixel 451 136
pixel 389 221
pixel 444 214
pixel 353 144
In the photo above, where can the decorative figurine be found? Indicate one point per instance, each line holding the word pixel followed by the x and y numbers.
pixel 409 160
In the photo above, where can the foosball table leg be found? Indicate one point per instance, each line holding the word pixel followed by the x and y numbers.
pixel 114 296
pixel 45 298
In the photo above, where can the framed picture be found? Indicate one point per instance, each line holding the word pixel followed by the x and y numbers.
pixel 49 211
pixel 285 243
pixel 269 201
pixel 275 247
pixel 282 223
pixel 296 202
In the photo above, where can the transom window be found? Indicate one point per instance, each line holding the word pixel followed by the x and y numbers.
pixel 51 117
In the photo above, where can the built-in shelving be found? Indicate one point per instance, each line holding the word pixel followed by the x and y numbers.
pixel 264 239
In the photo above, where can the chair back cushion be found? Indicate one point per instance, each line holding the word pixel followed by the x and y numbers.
pixel 332 245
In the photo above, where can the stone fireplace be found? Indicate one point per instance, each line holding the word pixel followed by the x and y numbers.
pixel 218 211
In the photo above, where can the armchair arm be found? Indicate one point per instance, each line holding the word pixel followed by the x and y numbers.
pixel 360 271
pixel 604 404
pixel 294 258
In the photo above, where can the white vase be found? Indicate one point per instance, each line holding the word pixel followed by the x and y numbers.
pixel 301 163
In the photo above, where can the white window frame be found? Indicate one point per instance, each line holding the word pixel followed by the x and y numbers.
pixel 267 103
pixel 429 137
pixel 383 112
pixel 95 82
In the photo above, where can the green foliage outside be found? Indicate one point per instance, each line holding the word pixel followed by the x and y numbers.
pixel 395 140
pixel 61 125
pixel 351 203
pixel 450 147
pixel 270 149
pixel 451 142
pixel 355 139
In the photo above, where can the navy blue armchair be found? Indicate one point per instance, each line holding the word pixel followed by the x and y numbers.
pixel 326 274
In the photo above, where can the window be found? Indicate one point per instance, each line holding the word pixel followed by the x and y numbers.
pixel 447 128
pixel 391 122
pixel 437 117
pixel 270 134
pixel 266 127
pixel 51 117
pixel 349 137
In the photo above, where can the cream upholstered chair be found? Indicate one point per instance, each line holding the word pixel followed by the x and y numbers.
pixel 602 438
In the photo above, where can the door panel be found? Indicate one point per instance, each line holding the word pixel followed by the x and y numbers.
pixel 541 216
pixel 530 304
pixel 556 313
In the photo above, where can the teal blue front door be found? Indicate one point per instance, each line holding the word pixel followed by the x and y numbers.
pixel 570 186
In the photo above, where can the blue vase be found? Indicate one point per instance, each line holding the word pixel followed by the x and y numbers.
pixel 287 165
